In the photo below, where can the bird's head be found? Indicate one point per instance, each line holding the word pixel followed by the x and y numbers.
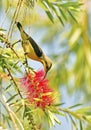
pixel 47 63
pixel 22 32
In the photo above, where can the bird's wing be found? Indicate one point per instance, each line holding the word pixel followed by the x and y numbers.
pixel 37 49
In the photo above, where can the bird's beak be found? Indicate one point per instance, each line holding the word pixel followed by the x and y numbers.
pixel 18 25
pixel 47 63
pixel 45 74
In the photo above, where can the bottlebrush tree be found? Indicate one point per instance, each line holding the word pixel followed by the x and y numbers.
pixel 28 99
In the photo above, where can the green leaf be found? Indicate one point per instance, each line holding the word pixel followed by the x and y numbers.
pixel 72 16
pixel 63 14
pixel 55 110
pixel 50 16
pixel 11 98
pixel 1 29
pixel 48 118
pixel 51 117
pixel 68 4
pixel 76 105
pixel 19 108
pixel 60 19
pixel 59 104
pixel 86 111
pixel 8 87
pixel 48 11
pixel 81 126
pixel 74 123
pixel 57 121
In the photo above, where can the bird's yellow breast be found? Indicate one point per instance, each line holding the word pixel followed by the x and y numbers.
pixel 28 49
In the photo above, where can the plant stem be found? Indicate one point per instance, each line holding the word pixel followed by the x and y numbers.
pixel 14 82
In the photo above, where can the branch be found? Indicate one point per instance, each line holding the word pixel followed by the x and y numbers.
pixel 12 114
pixel 14 82
pixel 8 44
pixel 15 15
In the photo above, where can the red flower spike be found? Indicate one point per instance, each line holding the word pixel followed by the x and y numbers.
pixel 37 88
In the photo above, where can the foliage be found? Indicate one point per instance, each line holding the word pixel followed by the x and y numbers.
pixel 71 55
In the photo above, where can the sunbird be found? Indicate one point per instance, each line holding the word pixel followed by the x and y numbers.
pixel 32 50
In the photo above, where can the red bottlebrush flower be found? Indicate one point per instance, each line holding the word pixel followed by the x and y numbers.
pixel 37 88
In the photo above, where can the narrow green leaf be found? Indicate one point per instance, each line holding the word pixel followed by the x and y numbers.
pixel 57 121
pixel 55 10
pixel 63 14
pixel 8 87
pixel 61 20
pixel 50 16
pixel 56 111
pixel 73 121
pixel 67 4
pixel 51 117
pixel 24 112
pixel 81 128
pixel 76 105
pixel 48 11
pixel 48 118
pixel 86 110
pixel 59 104
pixel 1 29
pixel 72 16
pixel 19 108
pixel 11 98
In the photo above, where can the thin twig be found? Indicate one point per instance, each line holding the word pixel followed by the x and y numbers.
pixel 10 112
pixel 30 118
pixel 14 17
pixel 16 42
pixel 26 64
pixel 14 81
pixel 7 43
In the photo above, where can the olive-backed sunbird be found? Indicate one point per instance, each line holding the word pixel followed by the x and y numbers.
pixel 32 50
